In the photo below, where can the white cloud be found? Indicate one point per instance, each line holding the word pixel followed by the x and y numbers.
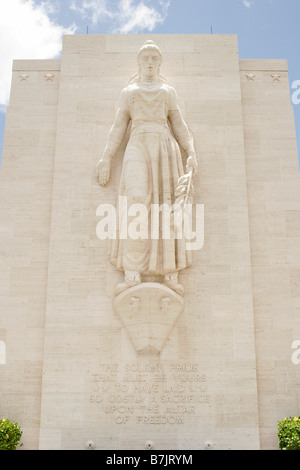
pixel 95 10
pixel 26 32
pixel 50 6
pixel 127 16
pixel 247 4
pixel 138 17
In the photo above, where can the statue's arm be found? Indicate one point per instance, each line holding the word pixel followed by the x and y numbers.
pixel 114 140
pixel 183 137
pixel 116 134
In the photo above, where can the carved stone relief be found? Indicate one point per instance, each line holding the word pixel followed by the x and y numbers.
pixel 250 76
pixel 276 77
pixel 49 76
pixel 148 312
pixel 24 76
pixel 152 174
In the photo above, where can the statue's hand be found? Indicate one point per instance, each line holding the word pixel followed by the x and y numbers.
pixel 103 171
pixel 192 164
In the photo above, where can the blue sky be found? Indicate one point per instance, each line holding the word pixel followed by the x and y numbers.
pixel 33 29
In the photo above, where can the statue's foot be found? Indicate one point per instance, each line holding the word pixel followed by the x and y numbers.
pixel 132 278
pixel 171 281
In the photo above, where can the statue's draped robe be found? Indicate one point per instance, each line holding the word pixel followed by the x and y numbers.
pixel 151 167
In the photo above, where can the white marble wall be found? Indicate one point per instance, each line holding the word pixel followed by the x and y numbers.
pixel 26 180
pixel 57 282
pixel 274 213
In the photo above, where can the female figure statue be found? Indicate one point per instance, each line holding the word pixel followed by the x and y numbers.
pixel 151 168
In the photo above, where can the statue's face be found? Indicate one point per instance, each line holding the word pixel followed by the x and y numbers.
pixel 150 63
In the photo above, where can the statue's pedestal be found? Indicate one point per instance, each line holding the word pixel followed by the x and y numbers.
pixel 148 312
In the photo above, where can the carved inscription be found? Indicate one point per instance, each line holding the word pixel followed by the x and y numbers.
pixel 150 393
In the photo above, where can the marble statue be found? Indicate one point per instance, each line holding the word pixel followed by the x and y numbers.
pixel 152 166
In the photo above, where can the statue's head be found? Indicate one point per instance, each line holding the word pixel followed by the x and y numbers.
pixel 148 46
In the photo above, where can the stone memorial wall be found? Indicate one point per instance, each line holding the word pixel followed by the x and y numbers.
pixel 197 353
